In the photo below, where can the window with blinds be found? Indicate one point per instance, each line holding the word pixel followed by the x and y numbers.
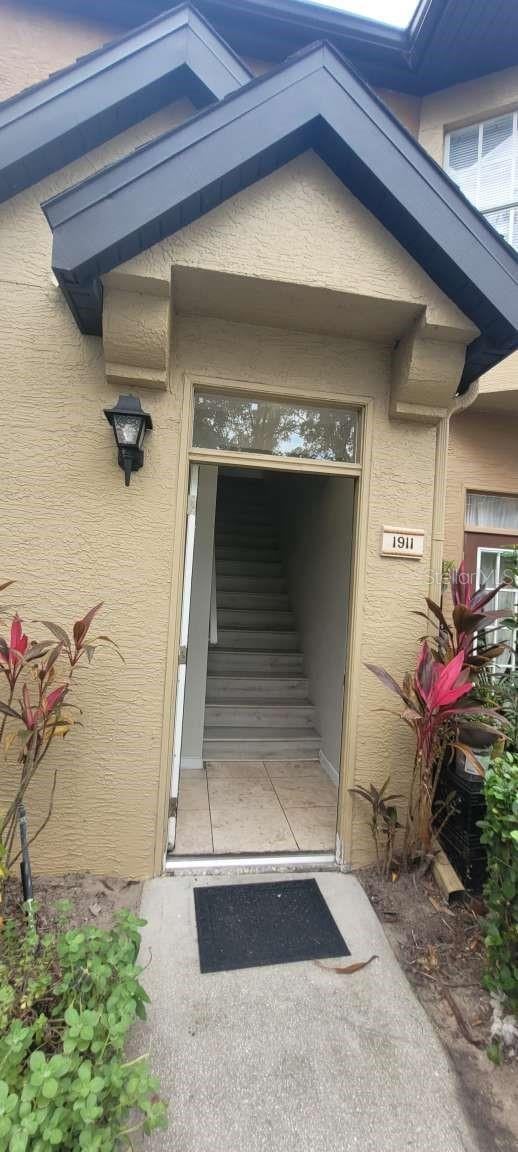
pixel 483 160
pixel 488 512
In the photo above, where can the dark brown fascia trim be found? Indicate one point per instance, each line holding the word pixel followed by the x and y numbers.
pixel 315 100
pixel 51 124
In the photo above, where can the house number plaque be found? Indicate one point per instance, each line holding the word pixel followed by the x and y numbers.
pixel 407 542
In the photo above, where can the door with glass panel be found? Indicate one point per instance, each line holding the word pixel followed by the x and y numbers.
pixel 491 533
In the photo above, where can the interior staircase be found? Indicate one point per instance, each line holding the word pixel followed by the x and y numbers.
pixel 257 705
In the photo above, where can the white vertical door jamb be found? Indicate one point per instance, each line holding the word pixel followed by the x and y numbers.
pixel 182 660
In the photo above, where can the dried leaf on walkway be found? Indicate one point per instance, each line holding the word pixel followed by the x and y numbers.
pixel 349 968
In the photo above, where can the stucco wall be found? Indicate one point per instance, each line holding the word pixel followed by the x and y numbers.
pixel 72 534
pixel 301 224
pixel 66 549
pixel 482 457
pixel 34 43
pixel 451 108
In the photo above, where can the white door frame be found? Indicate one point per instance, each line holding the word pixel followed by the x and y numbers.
pixel 182 659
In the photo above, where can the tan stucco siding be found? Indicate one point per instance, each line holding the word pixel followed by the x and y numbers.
pixel 72 534
pixel 301 225
pixel 35 42
pixel 406 107
pixel 482 457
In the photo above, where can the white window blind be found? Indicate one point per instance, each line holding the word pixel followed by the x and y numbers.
pixel 483 161
pixel 487 511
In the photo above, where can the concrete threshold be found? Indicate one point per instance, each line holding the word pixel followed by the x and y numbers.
pixel 214 865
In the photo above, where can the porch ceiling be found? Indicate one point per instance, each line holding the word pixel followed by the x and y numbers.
pixel 278 304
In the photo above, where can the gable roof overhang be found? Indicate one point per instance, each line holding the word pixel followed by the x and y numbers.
pixel 313 101
pixel 49 125
pixel 446 42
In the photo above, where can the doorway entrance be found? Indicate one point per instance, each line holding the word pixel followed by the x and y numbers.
pixel 268 565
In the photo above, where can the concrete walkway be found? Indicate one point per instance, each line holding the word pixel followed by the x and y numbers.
pixel 292 1058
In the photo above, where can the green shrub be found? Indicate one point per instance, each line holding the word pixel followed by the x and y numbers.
pixel 500 835
pixel 67 1002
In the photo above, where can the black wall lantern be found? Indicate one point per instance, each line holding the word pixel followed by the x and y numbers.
pixel 130 425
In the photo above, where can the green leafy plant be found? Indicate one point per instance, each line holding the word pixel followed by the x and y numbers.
pixel 383 823
pixel 37 708
pixel 500 692
pixel 67 1003
pixel 500 835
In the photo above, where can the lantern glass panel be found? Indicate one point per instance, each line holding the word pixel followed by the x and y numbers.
pixel 129 430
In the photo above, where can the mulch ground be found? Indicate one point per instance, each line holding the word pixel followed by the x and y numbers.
pixel 94 899
pixel 440 947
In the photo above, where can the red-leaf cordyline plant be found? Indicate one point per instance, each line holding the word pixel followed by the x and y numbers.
pixel 469 622
pixel 433 700
pixel 38 679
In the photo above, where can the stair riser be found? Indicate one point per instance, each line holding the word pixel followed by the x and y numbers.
pixel 247 568
pixel 245 618
pixel 246 583
pixel 247 555
pixel 226 525
pixel 238 538
pixel 254 640
pixel 267 749
pixel 254 601
pixel 254 662
pixel 240 688
pixel 246 519
pixel 265 715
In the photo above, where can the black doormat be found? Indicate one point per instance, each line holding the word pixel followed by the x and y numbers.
pixel 249 925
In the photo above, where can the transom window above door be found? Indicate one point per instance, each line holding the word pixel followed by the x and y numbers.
pixel 483 160
pixel 233 423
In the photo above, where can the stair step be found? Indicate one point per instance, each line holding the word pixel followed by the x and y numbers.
pixel 244 582
pixel 246 522
pixel 245 526
pixel 287 744
pixel 238 537
pixel 250 555
pixel 236 686
pixel 224 661
pixel 266 639
pixel 269 619
pixel 258 601
pixel 247 568
pixel 260 714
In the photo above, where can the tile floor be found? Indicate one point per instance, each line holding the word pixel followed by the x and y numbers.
pixel 256 806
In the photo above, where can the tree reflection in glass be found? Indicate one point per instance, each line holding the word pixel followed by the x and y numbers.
pixel 239 424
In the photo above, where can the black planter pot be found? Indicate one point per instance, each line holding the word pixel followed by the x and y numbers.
pixel 460 836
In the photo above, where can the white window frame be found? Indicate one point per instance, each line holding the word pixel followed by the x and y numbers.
pixel 501 205
pixel 498 553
